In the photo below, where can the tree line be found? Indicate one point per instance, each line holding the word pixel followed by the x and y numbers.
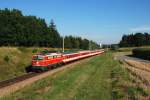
pixel 17 29
pixel 79 43
pixel 137 39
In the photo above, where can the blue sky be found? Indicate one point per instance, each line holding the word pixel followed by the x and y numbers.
pixel 104 21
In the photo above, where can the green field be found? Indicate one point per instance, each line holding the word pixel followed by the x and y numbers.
pixel 98 78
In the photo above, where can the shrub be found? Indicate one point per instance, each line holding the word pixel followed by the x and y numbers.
pixel 6 58
pixel 34 50
pixel 142 53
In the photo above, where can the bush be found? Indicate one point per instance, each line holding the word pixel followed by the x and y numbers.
pixel 34 50
pixel 142 53
pixel 6 58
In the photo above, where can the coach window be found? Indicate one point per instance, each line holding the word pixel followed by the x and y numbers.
pixel 54 56
pixel 58 56
pixel 50 57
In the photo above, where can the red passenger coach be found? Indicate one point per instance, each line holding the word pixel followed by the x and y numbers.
pixel 45 61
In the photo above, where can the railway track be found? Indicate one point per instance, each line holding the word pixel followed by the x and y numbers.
pixel 9 82
pixel 12 81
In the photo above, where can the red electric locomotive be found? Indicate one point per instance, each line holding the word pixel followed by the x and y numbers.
pixel 46 61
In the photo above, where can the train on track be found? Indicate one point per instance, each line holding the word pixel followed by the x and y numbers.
pixel 45 60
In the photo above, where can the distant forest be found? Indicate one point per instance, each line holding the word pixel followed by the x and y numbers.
pixel 17 29
pixel 137 39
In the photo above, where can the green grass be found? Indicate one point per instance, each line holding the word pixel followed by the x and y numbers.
pixel 98 78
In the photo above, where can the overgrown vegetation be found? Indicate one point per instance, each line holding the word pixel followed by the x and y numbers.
pixel 7 58
pixel 142 53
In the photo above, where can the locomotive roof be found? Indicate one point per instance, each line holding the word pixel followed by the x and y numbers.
pixel 70 54
pixel 49 54
pixel 52 54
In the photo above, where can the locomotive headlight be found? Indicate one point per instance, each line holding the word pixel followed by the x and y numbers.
pixel 37 62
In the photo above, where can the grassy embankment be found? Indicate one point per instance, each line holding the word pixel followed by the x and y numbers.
pixel 14 60
pixel 98 78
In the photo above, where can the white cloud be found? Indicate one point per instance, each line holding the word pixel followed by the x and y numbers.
pixel 141 29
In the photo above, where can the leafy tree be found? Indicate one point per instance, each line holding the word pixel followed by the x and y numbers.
pixel 137 39
pixel 17 29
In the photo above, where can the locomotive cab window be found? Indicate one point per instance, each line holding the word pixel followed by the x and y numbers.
pixel 58 56
pixel 38 57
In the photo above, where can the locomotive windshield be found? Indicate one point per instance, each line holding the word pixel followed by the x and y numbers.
pixel 38 57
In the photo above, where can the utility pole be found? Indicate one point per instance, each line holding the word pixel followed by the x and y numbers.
pixel 63 43
pixel 89 45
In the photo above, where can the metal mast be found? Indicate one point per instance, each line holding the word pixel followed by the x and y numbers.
pixel 63 44
pixel 89 45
